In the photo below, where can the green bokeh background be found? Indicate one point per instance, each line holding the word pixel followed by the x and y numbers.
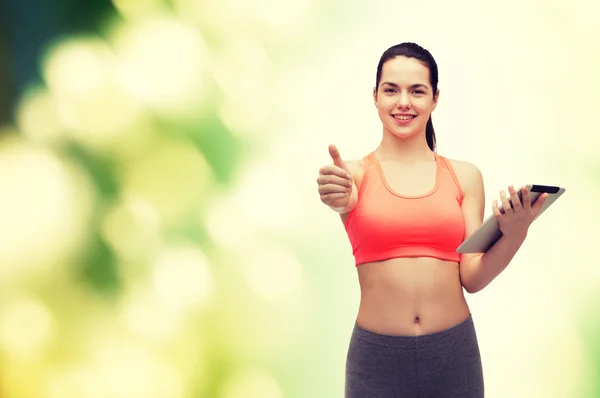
pixel 160 231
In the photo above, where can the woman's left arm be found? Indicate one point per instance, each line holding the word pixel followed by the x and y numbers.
pixel 477 270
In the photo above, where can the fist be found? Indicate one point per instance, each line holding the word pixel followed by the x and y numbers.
pixel 335 182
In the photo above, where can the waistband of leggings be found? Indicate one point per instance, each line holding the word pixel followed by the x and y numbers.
pixel 404 340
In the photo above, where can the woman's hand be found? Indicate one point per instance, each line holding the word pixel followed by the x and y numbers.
pixel 335 182
pixel 514 221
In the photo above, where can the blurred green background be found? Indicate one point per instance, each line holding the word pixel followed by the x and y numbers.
pixel 160 231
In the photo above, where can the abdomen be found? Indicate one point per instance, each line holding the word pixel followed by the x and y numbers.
pixel 410 296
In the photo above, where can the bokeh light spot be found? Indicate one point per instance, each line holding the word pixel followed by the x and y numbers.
pixel 268 197
pixel 162 64
pixel 146 315
pixel 132 228
pixel 273 272
pixel 173 177
pixel 37 117
pixel 243 69
pixel 182 278
pixel 44 207
pixel 222 215
pixel 92 104
pixel 26 327
pixel 125 369
pixel 73 382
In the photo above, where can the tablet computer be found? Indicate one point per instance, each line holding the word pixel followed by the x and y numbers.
pixel 489 232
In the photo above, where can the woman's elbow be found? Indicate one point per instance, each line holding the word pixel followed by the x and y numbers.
pixel 472 289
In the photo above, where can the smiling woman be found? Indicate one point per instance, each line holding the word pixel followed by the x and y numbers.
pixel 406 209
pixel 409 91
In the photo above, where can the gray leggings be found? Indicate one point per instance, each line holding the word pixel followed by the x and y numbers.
pixel 446 364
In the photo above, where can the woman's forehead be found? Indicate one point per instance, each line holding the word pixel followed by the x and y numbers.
pixel 403 70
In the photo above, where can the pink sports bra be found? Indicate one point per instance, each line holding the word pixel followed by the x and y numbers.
pixel 385 224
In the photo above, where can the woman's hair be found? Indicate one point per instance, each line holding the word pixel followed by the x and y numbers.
pixel 412 50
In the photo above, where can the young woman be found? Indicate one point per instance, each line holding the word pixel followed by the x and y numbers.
pixel 406 209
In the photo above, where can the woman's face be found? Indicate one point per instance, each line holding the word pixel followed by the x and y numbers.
pixel 404 97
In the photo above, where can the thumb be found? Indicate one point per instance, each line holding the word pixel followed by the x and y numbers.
pixel 337 159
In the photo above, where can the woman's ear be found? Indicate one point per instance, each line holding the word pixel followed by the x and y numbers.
pixel 375 95
pixel 435 99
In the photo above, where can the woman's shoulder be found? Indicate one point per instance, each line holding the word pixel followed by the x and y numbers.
pixel 467 173
pixel 464 167
pixel 356 165
pixel 357 169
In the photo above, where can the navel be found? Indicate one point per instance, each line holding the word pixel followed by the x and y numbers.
pixel 417 320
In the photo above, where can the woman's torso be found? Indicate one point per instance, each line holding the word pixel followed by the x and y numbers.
pixel 410 295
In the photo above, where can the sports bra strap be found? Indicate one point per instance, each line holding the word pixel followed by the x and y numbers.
pixel 453 174
pixel 368 161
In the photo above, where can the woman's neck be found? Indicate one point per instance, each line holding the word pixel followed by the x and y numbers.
pixel 409 149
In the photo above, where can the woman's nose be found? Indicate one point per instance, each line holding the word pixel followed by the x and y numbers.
pixel 403 101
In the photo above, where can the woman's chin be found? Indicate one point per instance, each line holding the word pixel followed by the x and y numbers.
pixel 403 133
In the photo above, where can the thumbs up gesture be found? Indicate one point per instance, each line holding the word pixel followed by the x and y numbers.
pixel 336 185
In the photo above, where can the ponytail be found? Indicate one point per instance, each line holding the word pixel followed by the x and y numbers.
pixel 430 134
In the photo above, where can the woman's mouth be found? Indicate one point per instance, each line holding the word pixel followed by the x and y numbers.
pixel 403 119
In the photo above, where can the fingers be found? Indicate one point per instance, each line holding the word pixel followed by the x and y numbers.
pixel 496 210
pixel 336 171
pixel 506 207
pixel 516 214
pixel 337 158
pixel 513 205
pixel 333 188
pixel 330 197
pixel 334 183
pixel 325 179
pixel 526 199
pixel 515 201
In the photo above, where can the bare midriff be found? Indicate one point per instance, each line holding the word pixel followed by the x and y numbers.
pixel 410 296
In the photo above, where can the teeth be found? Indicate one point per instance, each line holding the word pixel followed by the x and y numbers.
pixel 403 117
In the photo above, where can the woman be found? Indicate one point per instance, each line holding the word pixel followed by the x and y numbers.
pixel 406 209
